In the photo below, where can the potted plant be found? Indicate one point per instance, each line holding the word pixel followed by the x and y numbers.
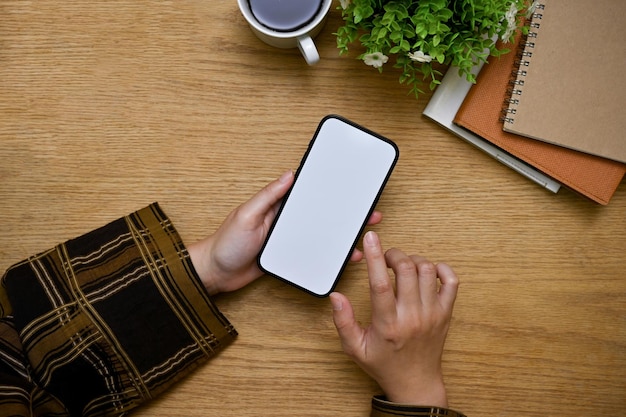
pixel 423 35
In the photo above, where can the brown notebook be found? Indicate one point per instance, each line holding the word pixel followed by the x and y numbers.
pixel 594 177
pixel 571 87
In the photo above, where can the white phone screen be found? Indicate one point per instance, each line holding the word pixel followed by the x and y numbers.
pixel 339 181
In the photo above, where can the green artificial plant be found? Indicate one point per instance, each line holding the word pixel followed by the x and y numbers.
pixel 420 33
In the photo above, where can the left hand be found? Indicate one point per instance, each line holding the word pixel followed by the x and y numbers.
pixel 226 260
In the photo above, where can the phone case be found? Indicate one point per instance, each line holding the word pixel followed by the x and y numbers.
pixel 336 188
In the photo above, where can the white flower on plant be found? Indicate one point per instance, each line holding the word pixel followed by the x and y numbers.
pixel 511 14
pixel 420 56
pixel 531 9
pixel 376 59
pixel 345 3
pixel 510 17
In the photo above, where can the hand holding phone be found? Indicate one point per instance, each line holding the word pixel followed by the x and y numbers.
pixel 336 188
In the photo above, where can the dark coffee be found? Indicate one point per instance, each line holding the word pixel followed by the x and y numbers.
pixel 285 15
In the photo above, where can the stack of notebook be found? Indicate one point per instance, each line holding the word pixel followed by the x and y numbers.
pixel 552 108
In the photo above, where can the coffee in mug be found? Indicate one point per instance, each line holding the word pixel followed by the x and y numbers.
pixel 287 23
pixel 285 15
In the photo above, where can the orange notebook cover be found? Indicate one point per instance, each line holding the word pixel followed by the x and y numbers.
pixel 481 112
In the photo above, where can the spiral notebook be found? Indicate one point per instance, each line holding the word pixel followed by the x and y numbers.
pixel 571 87
pixel 593 177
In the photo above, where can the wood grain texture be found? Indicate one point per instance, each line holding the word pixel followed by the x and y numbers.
pixel 108 106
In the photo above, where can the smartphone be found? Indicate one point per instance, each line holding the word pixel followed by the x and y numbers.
pixel 336 187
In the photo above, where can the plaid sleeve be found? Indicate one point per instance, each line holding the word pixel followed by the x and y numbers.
pixel 383 408
pixel 104 322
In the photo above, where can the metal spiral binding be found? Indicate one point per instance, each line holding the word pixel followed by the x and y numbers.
pixel 522 61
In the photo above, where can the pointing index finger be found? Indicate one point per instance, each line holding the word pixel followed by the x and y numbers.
pixel 381 288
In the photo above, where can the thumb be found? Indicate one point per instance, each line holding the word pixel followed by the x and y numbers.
pixel 269 195
pixel 350 332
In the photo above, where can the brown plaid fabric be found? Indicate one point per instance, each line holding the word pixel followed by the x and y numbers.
pixel 105 322
pixel 384 408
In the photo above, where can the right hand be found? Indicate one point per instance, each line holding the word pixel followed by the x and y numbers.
pixel 402 347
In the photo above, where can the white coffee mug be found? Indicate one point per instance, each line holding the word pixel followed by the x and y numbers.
pixel 301 38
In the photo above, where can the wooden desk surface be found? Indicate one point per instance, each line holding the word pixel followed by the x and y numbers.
pixel 108 106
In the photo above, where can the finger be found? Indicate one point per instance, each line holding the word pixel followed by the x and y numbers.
pixel 449 286
pixel 266 200
pixel 427 281
pixel 349 331
pixel 406 277
pixel 357 255
pixel 381 288
pixel 375 218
